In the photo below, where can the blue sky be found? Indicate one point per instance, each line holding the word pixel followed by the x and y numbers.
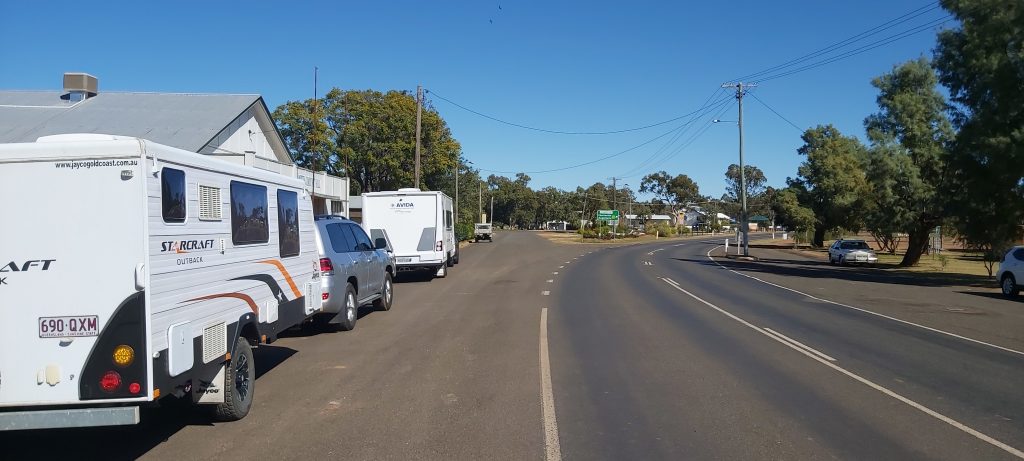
pixel 568 66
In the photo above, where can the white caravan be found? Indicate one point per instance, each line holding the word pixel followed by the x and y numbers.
pixel 131 271
pixel 419 224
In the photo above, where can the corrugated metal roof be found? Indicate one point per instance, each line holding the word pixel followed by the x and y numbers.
pixel 185 121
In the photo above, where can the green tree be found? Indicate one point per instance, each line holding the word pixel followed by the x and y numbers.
pixel 370 136
pixel 830 182
pixel 755 181
pixel 671 191
pixel 982 64
pixel 907 163
pixel 791 214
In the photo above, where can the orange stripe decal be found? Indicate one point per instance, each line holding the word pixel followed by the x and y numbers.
pixel 287 276
pixel 243 297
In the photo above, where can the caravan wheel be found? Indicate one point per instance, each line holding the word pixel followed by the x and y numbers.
pixel 239 384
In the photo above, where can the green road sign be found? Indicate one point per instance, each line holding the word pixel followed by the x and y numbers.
pixel 607 215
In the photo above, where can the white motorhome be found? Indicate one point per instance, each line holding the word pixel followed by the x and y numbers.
pixel 132 271
pixel 419 224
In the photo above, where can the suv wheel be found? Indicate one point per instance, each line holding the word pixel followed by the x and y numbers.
pixel 1009 286
pixel 387 294
pixel 348 321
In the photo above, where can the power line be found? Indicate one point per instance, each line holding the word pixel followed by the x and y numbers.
pixel 680 133
pixel 906 17
pixel 693 138
pixel 862 49
pixel 606 157
pixel 545 130
pixel 776 112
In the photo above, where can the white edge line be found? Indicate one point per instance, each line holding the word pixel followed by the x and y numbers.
pixel 552 448
pixel 799 344
pixel 906 322
pixel 952 422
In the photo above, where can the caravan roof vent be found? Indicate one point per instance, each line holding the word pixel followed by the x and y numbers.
pixel 409 189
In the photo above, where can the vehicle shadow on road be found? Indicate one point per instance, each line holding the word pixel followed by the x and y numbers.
pixel 415 276
pixel 308 328
pixel 1000 296
pixel 157 424
pixel 821 269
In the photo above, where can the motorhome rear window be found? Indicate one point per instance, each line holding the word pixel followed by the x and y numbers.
pixel 248 214
pixel 172 194
pixel 288 222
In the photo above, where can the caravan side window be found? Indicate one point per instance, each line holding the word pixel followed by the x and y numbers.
pixel 249 214
pixel 172 195
pixel 288 222
pixel 448 219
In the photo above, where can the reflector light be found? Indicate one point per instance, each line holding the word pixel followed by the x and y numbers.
pixel 325 296
pixel 110 382
pixel 439 246
pixel 134 388
pixel 124 355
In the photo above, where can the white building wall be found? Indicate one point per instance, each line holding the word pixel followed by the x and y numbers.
pixel 243 134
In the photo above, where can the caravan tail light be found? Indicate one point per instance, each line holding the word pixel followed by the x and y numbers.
pixel 439 246
pixel 134 388
pixel 326 266
pixel 111 381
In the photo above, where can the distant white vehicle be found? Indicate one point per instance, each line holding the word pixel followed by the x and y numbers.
pixel 419 224
pixel 1011 271
pixel 132 271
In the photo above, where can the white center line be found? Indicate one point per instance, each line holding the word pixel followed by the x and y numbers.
pixel 546 293
pixel 799 344
pixel 556 273
pixel 561 267
pixel 952 422
pixel 551 280
pixel 552 449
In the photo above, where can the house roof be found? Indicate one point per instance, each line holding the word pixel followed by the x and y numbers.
pixel 185 121
pixel 653 217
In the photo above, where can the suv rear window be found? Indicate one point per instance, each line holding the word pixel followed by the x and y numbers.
pixel 342 240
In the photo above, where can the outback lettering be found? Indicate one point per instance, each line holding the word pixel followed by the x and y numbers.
pixel 190 260
pixel 186 245
pixel 3 280
pixel 13 266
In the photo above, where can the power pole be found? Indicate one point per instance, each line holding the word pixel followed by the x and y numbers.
pixel 456 191
pixel 480 202
pixel 419 110
pixel 615 201
pixel 744 228
pixel 490 218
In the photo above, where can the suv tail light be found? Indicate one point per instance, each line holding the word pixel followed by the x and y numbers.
pixel 439 246
pixel 326 266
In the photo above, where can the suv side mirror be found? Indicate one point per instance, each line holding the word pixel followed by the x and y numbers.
pixel 380 244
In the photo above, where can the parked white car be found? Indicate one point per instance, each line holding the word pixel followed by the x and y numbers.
pixel 1011 271
pixel 849 251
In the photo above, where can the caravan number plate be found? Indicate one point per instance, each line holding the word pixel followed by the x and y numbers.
pixel 64 327
pixel 405 260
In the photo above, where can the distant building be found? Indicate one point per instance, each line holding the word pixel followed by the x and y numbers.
pixel 556 225
pixel 234 127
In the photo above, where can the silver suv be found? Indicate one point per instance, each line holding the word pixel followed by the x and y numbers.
pixel 848 251
pixel 353 270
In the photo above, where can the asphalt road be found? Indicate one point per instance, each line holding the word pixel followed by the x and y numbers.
pixel 651 351
pixel 691 368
